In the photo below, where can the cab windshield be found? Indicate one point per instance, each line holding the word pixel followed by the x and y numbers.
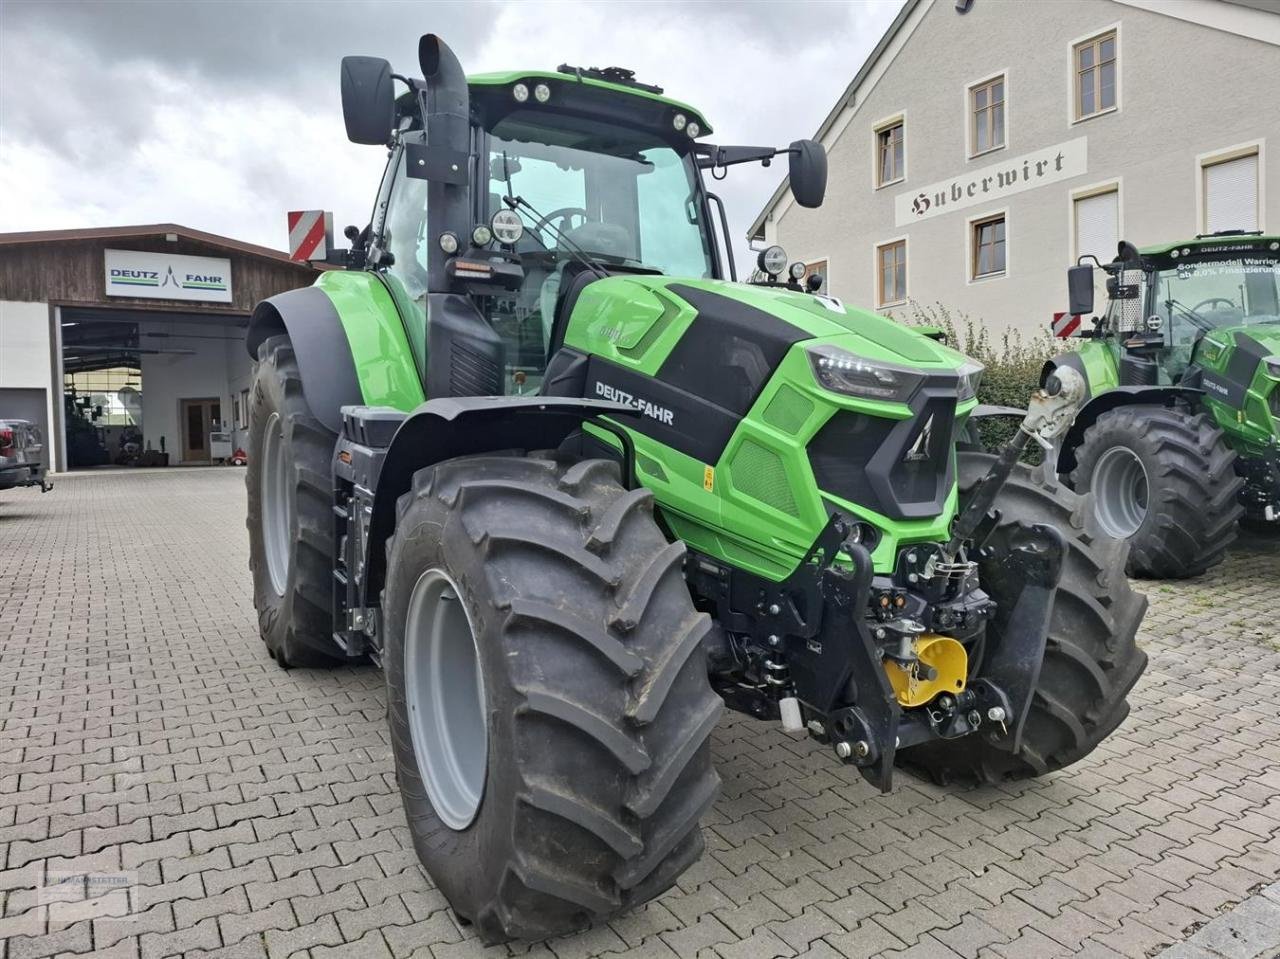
pixel 622 197
pixel 1207 294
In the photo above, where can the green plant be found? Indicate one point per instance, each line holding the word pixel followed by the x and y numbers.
pixel 1013 363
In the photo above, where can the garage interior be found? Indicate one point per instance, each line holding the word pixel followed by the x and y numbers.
pixel 149 388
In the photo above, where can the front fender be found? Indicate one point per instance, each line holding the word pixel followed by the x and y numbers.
pixel 1113 399
pixel 446 428
pixel 319 342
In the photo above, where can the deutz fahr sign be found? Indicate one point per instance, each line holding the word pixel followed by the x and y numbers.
pixel 167 276
pixel 993 183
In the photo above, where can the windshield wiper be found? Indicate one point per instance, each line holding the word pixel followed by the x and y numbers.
pixel 515 202
pixel 1195 317
pixel 518 202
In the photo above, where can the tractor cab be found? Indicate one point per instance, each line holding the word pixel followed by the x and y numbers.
pixel 1171 307
pixel 535 185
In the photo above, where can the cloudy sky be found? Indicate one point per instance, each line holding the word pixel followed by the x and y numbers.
pixel 223 115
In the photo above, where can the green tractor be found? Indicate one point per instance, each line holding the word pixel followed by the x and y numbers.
pixel 574 489
pixel 1178 439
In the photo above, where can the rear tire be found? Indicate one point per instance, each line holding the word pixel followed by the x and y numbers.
pixel 1191 504
pixel 594 686
pixel 290 515
pixel 1091 658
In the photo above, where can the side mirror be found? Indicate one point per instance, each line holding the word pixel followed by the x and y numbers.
pixel 368 100
pixel 1080 289
pixel 808 172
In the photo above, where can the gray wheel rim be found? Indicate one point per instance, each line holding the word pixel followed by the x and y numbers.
pixel 1120 491
pixel 277 498
pixel 444 690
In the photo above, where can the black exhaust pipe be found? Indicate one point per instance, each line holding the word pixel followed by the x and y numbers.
pixel 446 83
pixel 446 163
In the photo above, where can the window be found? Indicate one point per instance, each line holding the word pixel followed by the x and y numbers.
pixel 1095 75
pixel 891 273
pixel 890 154
pixel 986 116
pixel 988 245
pixel 818 267
pixel 1230 190
pixel 1097 224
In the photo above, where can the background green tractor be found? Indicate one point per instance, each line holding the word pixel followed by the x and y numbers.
pixel 1178 439
pixel 575 489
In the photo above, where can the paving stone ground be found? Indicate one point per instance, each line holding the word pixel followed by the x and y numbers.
pixel 177 793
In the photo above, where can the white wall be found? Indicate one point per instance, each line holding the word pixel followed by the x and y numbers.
pixel 25 357
pixel 1185 90
pixel 239 378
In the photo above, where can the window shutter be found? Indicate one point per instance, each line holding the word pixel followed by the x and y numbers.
pixel 1231 195
pixel 1098 225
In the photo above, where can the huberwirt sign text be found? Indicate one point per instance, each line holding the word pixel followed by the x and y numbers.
pixel 993 183
pixel 168 276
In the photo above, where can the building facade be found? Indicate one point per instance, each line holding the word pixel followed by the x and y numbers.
pixel 127 340
pixel 987 144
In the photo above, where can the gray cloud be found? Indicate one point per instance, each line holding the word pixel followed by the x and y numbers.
pixel 222 115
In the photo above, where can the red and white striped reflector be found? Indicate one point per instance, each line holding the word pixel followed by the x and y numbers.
pixel 310 235
pixel 1064 324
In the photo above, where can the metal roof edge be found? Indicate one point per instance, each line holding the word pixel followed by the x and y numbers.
pixel 757 225
pixel 150 229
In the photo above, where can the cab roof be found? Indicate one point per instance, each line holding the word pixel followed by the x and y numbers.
pixel 1232 240
pixel 628 89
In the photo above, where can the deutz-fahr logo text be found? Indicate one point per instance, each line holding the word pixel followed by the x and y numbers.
pixel 651 410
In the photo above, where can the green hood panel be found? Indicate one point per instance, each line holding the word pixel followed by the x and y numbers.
pixel 621 313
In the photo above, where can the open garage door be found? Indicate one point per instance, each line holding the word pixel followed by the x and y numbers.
pixel 131 379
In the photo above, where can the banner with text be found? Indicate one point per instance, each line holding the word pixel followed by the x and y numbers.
pixel 993 183
pixel 167 276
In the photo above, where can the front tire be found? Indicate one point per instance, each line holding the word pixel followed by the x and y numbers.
pixel 581 795
pixel 1091 657
pixel 290 516
pixel 1164 480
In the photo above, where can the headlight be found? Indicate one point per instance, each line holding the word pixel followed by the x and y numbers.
pixel 481 235
pixel 1272 365
pixel 842 372
pixel 693 129
pixel 542 93
pixel 773 260
pixel 970 379
pixel 678 121
pixel 507 227
pixel 797 270
pixel 520 93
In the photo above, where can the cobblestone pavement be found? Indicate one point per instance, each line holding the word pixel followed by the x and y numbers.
pixel 153 760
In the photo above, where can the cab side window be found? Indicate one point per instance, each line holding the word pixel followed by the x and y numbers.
pixel 405 230
pixel 402 233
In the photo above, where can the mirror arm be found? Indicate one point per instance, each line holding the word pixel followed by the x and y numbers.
pixel 711 156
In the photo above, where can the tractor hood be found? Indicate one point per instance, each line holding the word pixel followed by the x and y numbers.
pixel 628 310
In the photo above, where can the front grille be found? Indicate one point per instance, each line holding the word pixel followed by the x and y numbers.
pixel 901 468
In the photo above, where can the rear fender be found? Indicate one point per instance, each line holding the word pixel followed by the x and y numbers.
pixel 446 428
pixel 1113 399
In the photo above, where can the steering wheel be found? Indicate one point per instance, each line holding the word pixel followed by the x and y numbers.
pixel 1212 300
pixel 565 214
